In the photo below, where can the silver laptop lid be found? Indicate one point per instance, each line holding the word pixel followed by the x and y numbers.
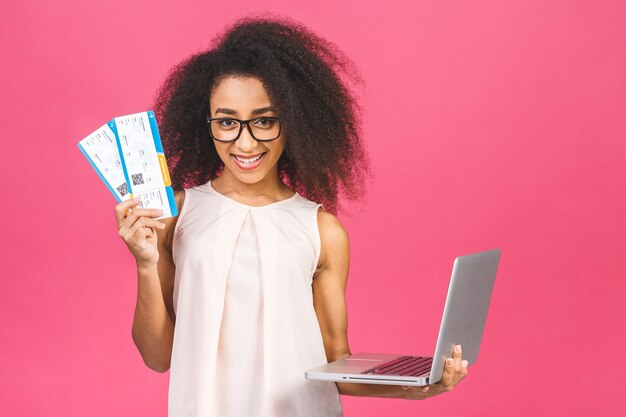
pixel 465 311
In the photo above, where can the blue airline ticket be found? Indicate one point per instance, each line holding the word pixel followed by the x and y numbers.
pixel 100 149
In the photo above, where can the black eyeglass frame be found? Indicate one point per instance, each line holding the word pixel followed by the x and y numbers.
pixel 243 123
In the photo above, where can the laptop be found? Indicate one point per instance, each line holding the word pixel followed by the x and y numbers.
pixel 463 321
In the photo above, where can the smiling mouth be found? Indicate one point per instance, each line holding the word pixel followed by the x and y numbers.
pixel 248 160
pixel 248 163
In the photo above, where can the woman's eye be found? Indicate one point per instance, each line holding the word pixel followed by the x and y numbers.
pixel 265 122
pixel 228 122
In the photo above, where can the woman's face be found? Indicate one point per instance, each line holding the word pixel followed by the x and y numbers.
pixel 245 98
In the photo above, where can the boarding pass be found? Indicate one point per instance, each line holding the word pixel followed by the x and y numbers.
pixel 127 154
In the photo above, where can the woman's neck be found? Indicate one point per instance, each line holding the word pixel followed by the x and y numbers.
pixel 268 190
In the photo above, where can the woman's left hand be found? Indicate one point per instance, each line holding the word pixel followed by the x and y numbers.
pixel 455 371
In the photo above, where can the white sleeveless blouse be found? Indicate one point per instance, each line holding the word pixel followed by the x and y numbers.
pixel 246 330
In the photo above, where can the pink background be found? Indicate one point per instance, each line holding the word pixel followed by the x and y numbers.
pixel 489 124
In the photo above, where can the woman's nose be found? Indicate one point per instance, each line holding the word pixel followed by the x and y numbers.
pixel 246 142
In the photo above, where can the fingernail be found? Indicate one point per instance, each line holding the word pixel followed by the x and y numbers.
pixel 458 348
pixel 450 362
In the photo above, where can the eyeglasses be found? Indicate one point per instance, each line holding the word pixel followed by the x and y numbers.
pixel 228 129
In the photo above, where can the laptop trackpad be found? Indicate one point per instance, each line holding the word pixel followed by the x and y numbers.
pixel 359 362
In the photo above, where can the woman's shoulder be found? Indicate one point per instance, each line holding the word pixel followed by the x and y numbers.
pixel 334 241
pixel 333 233
pixel 327 223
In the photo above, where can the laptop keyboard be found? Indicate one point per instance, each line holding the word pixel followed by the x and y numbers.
pixel 404 366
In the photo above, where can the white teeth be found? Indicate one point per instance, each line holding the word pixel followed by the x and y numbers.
pixel 248 161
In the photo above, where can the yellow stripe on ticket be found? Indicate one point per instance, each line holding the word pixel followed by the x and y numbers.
pixel 164 171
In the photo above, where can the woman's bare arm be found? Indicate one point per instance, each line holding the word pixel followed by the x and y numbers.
pixel 329 288
pixel 154 319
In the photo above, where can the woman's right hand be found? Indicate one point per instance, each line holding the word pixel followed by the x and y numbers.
pixel 137 230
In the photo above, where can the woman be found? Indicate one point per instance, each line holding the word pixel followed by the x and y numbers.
pixel 244 290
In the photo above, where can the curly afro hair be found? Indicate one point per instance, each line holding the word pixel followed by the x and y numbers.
pixel 306 79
